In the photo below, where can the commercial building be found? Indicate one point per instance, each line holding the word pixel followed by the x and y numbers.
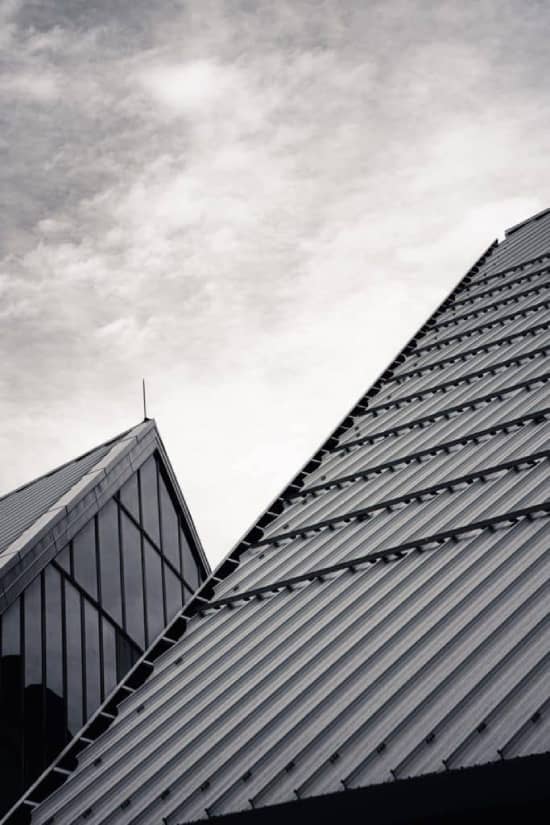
pixel 377 647
pixel 95 559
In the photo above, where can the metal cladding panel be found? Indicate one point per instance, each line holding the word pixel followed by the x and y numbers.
pixel 514 288
pixel 482 337
pixel 364 677
pixel 394 446
pixel 461 369
pixel 524 242
pixel 20 508
pixel 415 476
pixel 389 528
pixel 435 401
pixel 387 616
pixel 503 309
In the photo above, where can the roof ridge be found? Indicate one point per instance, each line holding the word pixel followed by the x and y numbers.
pixel 534 217
pixel 70 461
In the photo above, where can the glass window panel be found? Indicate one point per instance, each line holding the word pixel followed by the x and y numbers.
pixel 129 496
pixel 154 595
pixel 109 657
pixel 63 558
pixel 174 598
pixel 109 560
pixel 84 558
pixel 73 635
pixel 190 569
pixel 54 639
pixel 93 664
pixel 11 630
pixel 126 655
pixel 11 708
pixel 149 498
pixel 33 697
pixel 33 633
pixel 170 526
pixel 133 581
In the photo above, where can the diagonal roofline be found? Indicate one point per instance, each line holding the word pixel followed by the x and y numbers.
pixel 532 219
pixel 28 553
pixel 59 467
pixel 201 599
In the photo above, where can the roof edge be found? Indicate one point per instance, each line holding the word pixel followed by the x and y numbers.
pixel 38 545
pixel 476 794
pixel 119 437
pixel 519 225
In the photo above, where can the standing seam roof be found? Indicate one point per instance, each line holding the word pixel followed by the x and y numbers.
pixel 389 624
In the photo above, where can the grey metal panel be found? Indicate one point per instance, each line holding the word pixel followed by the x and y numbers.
pixel 480 337
pixel 518 348
pixel 398 445
pixel 417 474
pixel 390 527
pixel 20 508
pixel 528 241
pixel 476 297
pixel 432 401
pixel 434 654
pixel 473 320
pixel 384 656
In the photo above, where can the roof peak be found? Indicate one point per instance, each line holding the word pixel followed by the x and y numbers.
pixel 77 458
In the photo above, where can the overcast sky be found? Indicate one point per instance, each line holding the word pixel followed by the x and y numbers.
pixel 252 204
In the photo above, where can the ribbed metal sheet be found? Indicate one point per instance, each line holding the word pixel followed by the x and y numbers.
pixel 387 617
pixel 415 475
pixel 461 368
pixel 341 680
pixel 433 402
pixel 20 508
pixel 515 285
pixel 397 445
pixel 529 240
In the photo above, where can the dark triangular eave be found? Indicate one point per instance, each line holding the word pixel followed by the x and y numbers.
pixel 29 553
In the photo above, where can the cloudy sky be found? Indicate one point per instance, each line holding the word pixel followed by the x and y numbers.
pixel 252 204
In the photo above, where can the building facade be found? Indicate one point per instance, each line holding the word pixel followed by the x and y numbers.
pixel 74 620
pixel 377 644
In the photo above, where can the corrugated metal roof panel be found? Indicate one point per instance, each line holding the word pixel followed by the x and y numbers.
pixel 503 354
pixel 390 626
pixel 374 661
pixel 396 445
pixel 20 508
pixel 524 242
pixel 484 295
pixel 418 474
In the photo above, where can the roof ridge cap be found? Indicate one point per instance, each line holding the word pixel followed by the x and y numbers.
pixel 59 467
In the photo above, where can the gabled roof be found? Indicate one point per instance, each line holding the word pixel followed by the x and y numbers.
pixel 384 621
pixel 38 519
pixel 20 508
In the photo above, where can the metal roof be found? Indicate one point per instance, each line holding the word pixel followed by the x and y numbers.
pixel 20 508
pixel 38 519
pixel 385 619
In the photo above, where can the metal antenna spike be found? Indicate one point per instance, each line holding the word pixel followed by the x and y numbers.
pixel 144 399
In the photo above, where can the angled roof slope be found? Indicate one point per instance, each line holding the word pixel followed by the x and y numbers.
pixel 20 508
pixel 36 520
pixel 385 621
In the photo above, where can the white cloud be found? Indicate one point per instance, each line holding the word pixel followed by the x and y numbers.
pixel 41 87
pixel 252 208
pixel 190 88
